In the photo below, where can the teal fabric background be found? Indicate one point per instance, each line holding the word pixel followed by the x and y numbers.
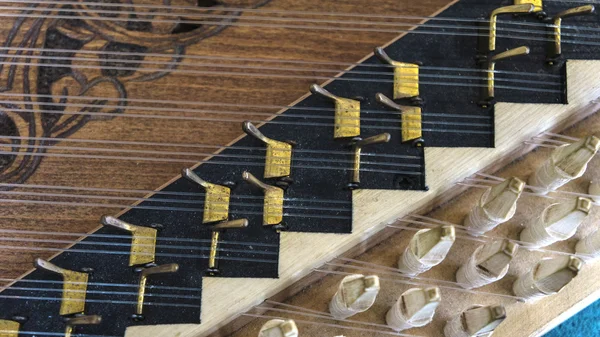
pixel 585 324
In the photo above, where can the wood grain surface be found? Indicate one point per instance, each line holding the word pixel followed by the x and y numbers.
pixel 374 208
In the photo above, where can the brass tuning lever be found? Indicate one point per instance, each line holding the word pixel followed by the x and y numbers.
pixel 273 201
pixel 216 198
pixel 514 9
pixel 9 328
pixel 214 242
pixel 143 240
pixel 556 28
pixel 406 77
pixel 347 113
pixel 279 154
pixel 357 145
pixel 74 287
pixel 412 128
pixel 489 88
pixel 144 273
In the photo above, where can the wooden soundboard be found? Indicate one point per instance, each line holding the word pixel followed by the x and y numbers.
pixel 223 298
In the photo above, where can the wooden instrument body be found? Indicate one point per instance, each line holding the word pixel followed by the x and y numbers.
pixel 224 297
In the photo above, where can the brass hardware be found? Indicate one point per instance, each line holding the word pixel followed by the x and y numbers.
pixel 410 115
pixel 273 202
pixel 214 242
pixel 9 328
pixel 81 320
pixel 143 240
pixel 406 75
pixel 347 113
pixel 358 145
pixel 162 269
pixel 279 154
pixel 514 9
pixel 74 287
pixel 556 30
pixel 489 93
pixel 538 6
pixel 216 199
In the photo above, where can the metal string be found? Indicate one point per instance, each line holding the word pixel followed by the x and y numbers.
pixel 188 15
pixel 480 238
pixel 410 282
pixel 530 187
pixel 264 60
pixel 205 161
pixel 305 27
pixel 161 192
pixel 272 76
pixel 244 66
pixel 195 202
pixel 100 284
pixel 338 326
pixel 156 208
pixel 117 252
pixel 128 237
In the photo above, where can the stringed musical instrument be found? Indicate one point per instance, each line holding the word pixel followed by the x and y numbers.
pixel 104 103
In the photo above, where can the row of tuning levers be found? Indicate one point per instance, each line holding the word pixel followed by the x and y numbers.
pixel 490 261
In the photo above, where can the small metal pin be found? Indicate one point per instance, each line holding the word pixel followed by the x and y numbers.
pixel 488 94
pixel 410 118
pixel 557 222
pixel 357 145
pixel 143 240
pixel 279 328
pixel 556 28
pixel 214 242
pixel 415 308
pixel 514 9
pixel 161 269
pixel 356 293
pixel 406 77
pixel 426 249
pixel 487 264
pixel 497 205
pixel 476 321
pixel 74 287
pixel 273 201
pixel 80 320
pixel 279 154
pixel 548 277
pixel 216 199
pixel 9 328
pixel 347 113
pixel 566 163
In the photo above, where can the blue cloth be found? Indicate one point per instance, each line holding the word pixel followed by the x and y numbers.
pixel 585 324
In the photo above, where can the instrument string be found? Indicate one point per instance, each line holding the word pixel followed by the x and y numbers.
pixel 337 326
pixel 51 334
pixel 395 122
pixel 158 254
pixel 250 59
pixel 128 237
pixel 91 300
pixel 185 16
pixel 531 188
pixel 261 10
pixel 158 208
pixel 100 284
pixel 158 200
pixel 205 161
pixel 219 155
pixel 274 76
pixel 399 278
pixel 311 27
pixel 181 64
pixel 163 192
